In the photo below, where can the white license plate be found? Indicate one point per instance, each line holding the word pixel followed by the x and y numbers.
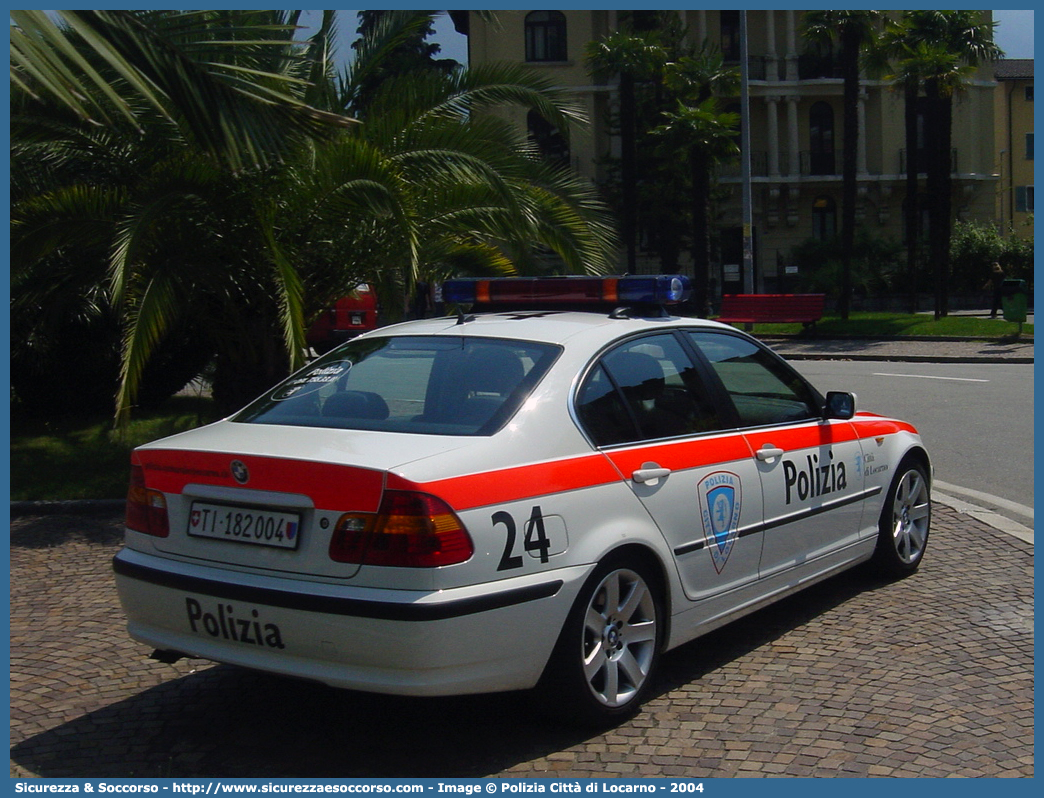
pixel 244 525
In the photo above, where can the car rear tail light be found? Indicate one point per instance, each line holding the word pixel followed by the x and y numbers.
pixel 146 509
pixel 411 530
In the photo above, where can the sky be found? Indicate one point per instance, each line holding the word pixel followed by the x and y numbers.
pixel 1014 35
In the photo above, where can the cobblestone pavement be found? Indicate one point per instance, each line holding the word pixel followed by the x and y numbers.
pixel 928 676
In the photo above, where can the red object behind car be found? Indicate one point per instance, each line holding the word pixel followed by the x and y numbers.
pixel 350 316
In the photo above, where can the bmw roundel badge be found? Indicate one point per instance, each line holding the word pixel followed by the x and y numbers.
pixel 240 472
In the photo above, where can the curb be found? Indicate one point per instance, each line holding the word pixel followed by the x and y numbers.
pixel 1018 359
pixel 898 339
pixel 69 506
pixel 992 519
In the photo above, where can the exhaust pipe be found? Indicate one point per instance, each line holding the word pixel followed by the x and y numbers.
pixel 166 656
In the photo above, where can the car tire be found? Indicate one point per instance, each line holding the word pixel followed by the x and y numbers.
pixel 605 660
pixel 905 521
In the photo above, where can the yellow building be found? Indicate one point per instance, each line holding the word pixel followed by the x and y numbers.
pixel 1013 112
pixel 796 129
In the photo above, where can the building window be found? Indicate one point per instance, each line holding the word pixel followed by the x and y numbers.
pixel 1024 199
pixel 1029 146
pixel 824 218
pixel 548 139
pixel 1029 93
pixel 545 36
pixel 821 139
pixel 730 35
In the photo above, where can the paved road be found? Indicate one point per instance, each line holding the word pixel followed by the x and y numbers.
pixel 929 676
pixel 975 418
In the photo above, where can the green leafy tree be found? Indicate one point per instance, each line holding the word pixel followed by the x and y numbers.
pixel 974 246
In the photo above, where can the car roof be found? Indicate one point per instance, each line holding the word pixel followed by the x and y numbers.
pixel 545 326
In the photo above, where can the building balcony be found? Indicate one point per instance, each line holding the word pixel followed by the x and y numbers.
pixel 818 67
pixel 810 164
pixel 732 168
pixel 922 162
pixel 814 165
pixel 761 67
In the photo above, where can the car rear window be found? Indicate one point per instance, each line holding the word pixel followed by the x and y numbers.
pixel 434 385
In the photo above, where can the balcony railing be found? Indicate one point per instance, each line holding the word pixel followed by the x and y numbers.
pixel 820 163
pixel 922 162
pixel 761 67
pixel 812 164
pixel 812 67
pixel 733 168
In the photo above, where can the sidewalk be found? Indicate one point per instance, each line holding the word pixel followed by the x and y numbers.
pixel 912 350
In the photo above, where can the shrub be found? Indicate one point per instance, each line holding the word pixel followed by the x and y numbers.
pixel 975 246
pixel 877 267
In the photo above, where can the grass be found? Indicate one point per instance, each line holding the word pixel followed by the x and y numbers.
pixel 899 325
pixel 82 458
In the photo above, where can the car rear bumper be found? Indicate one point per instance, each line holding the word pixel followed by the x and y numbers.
pixel 482 638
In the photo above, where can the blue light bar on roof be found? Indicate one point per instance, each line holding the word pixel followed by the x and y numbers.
pixel 656 289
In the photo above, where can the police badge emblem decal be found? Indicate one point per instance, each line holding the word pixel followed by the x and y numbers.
pixel 720 497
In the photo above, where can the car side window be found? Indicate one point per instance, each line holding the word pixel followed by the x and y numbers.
pixel 764 390
pixel 645 389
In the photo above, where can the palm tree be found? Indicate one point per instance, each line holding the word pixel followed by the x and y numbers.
pixel 243 255
pixel 631 57
pixel 707 136
pixel 938 51
pixel 906 77
pixel 854 30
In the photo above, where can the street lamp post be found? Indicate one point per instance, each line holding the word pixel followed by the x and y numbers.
pixel 748 243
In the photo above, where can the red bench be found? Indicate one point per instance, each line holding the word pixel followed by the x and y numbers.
pixel 772 308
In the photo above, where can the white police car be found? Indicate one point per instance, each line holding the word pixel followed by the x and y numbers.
pixel 530 497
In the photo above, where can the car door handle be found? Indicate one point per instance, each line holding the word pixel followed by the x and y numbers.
pixel 769 452
pixel 650 472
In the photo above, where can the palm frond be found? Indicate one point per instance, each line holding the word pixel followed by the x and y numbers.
pixel 147 322
pixel 235 109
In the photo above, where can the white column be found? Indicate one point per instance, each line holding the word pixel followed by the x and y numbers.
pixel 770 46
pixel 773 135
pixel 792 137
pixel 792 51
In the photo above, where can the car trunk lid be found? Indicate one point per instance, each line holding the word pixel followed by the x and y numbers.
pixel 231 501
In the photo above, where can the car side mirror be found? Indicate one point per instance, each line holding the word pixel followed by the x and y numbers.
pixel 839 404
